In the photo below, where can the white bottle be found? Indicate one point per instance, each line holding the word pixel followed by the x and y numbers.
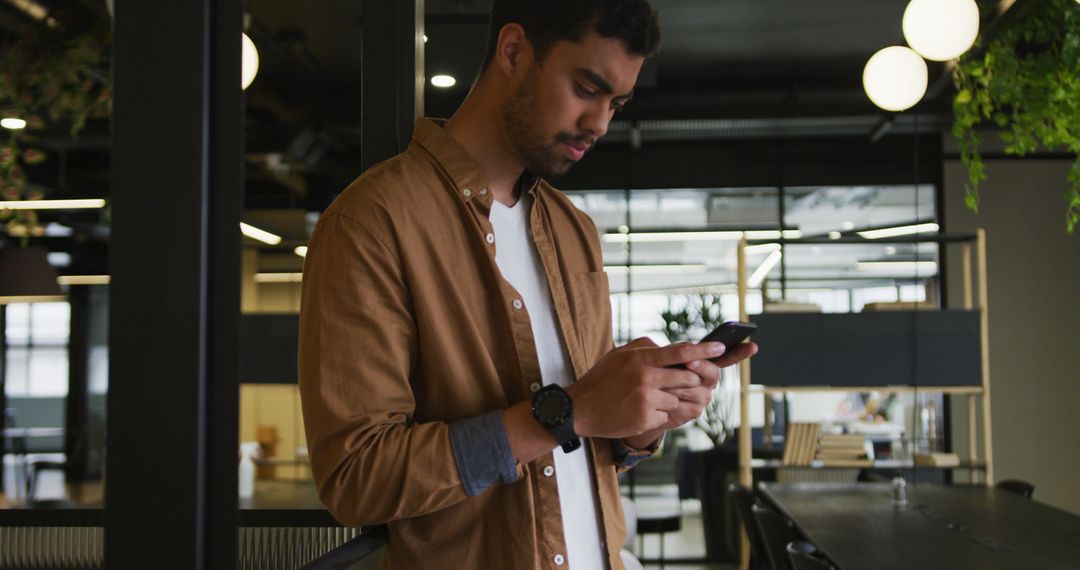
pixel 248 451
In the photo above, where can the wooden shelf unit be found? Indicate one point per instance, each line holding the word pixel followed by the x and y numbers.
pixel 973 246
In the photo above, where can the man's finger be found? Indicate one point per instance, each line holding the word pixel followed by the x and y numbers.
pixel 670 378
pixel 684 352
pixel 740 352
pixel 708 371
pixel 640 342
pixel 665 402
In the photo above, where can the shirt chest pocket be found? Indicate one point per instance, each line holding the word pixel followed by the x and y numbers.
pixel 590 303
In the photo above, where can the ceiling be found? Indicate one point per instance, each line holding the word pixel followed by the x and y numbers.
pixel 726 69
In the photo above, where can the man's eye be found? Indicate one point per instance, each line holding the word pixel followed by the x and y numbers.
pixel 582 91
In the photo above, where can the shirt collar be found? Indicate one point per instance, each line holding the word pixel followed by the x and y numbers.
pixel 469 180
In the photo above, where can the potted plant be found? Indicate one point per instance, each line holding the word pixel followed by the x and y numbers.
pixel 1027 81
pixel 706 474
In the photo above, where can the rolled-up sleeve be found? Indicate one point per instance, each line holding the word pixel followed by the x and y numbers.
pixel 371 463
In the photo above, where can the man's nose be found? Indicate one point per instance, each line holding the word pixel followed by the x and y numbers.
pixel 596 121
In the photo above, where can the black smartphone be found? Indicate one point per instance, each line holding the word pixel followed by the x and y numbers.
pixel 731 333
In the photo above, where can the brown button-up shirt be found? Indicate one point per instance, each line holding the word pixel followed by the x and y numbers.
pixel 407 326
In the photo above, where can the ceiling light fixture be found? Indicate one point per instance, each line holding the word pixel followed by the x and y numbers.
pixel 940 30
pixel 919 266
pixel 27 277
pixel 719 235
pixel 260 235
pixel 12 123
pixel 895 78
pixel 659 268
pixel 279 277
pixel 83 279
pixel 766 266
pixel 249 62
pixel 762 248
pixel 926 228
pixel 443 81
pixel 301 250
pixel 52 204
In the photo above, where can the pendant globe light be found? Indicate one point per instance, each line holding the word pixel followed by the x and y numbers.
pixel 895 78
pixel 940 30
pixel 250 62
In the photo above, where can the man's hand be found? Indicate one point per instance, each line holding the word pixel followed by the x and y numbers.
pixel 636 388
pixel 692 401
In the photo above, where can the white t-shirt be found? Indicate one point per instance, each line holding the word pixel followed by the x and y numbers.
pixel 520 265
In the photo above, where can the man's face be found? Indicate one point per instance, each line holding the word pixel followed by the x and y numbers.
pixel 564 103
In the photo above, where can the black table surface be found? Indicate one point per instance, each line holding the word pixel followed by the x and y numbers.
pixel 955 526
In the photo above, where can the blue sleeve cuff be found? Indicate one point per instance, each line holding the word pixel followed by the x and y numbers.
pixel 482 451
pixel 627 457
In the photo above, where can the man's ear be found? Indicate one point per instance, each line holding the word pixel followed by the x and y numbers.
pixel 513 52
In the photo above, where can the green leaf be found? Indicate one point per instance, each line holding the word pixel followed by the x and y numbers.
pixel 972 202
pixel 963 97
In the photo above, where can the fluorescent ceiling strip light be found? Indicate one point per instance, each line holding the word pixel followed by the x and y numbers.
pixel 766 266
pixel 719 235
pixel 83 279
pixel 31 8
pixel 900 231
pixel 52 204
pixel 8 300
pixel 685 268
pixel 13 123
pixel 260 235
pixel 762 248
pixel 279 277
pixel 896 265
pixel 301 250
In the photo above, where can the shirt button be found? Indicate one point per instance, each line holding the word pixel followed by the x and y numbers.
pixel 549 471
pixel 517 304
pixel 490 238
pixel 467 192
pixel 559 560
pixel 534 386
pixel 483 191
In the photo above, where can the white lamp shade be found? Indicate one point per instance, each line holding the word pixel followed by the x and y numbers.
pixel 895 78
pixel 250 65
pixel 941 30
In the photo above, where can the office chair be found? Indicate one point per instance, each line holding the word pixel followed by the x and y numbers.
pixel 1022 488
pixel 744 503
pixel 776 533
pixel 804 556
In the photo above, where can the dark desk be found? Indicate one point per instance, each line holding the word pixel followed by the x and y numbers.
pixel 959 526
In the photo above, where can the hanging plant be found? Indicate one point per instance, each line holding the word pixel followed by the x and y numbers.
pixel 47 78
pixel 1027 82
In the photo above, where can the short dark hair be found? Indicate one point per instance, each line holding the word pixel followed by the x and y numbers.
pixel 633 22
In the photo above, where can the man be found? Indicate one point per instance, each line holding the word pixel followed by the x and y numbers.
pixel 456 363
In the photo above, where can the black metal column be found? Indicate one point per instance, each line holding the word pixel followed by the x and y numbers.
pixel 176 195
pixel 3 383
pixel 393 76
pixel 77 403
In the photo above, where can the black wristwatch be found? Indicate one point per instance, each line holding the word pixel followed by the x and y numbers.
pixel 552 407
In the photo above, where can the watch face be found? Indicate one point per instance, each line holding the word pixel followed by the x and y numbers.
pixel 552 408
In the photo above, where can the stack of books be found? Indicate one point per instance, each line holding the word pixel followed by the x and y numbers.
pixel 843 450
pixel 801 443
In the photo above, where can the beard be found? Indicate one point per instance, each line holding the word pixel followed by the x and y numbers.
pixel 542 155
